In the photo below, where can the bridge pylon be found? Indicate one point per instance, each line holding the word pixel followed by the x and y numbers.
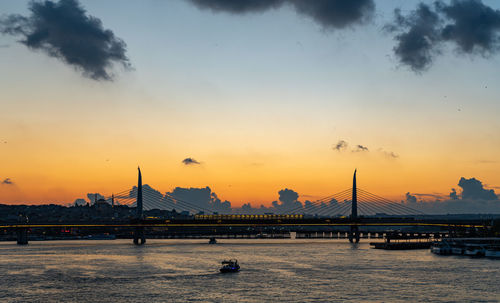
pixel 22 232
pixel 139 237
pixel 354 232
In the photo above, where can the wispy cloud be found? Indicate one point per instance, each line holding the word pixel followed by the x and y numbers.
pixel 388 154
pixel 190 161
pixel 425 195
pixel 486 161
pixel 360 148
pixel 340 145
pixel 7 181
pixel 343 145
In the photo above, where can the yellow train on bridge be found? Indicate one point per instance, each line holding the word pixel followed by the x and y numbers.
pixel 248 217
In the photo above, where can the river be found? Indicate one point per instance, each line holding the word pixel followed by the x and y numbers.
pixel 271 271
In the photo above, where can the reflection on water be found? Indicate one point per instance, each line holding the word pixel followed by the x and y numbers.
pixel 272 270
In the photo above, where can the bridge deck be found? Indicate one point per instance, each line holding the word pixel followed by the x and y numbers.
pixel 260 222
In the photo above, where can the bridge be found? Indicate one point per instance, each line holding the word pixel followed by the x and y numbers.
pixel 353 213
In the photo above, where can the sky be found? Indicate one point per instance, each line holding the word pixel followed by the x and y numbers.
pixel 247 100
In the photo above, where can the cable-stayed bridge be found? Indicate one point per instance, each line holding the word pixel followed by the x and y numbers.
pixel 336 205
pixel 352 210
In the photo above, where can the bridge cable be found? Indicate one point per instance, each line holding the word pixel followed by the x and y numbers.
pixel 406 208
pixel 318 203
pixel 383 206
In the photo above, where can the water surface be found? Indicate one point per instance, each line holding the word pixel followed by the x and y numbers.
pixel 272 271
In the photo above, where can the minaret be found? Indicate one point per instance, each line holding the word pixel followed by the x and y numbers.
pixel 354 214
pixel 139 195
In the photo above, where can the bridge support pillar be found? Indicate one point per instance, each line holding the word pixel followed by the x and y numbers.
pixel 354 234
pixel 22 232
pixel 139 238
pixel 22 236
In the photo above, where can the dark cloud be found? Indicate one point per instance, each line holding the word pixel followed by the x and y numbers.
pixel 151 198
pixel 336 13
pixel 93 197
pixel 80 202
pixel 409 198
pixel 288 199
pixel 246 207
pixel 7 181
pixel 472 189
pixel 63 30
pixel 202 197
pixel 453 194
pixel 474 199
pixel 288 196
pixel 237 6
pixel 417 36
pixel 181 199
pixel 473 26
pixel 360 148
pixel 470 25
pixel 190 161
pixel 341 145
pixel 327 13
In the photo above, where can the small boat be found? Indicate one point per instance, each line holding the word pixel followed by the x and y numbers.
pixel 458 249
pixel 441 248
pixel 472 247
pixel 492 251
pixel 230 266
pixel 475 250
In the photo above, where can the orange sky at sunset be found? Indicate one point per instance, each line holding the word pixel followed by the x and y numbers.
pixel 260 100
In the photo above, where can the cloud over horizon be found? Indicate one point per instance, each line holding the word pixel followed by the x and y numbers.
pixel 409 198
pixel 93 197
pixel 63 30
pixel 202 197
pixel 474 198
pixel 473 189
